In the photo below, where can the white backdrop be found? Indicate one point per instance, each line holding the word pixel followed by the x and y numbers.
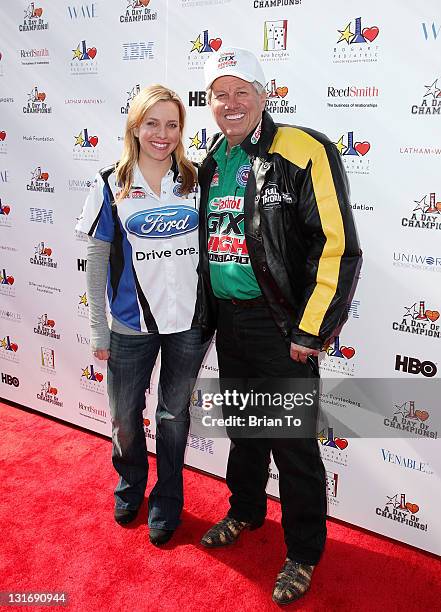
pixel 365 73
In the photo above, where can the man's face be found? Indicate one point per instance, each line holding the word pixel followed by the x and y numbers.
pixel 236 107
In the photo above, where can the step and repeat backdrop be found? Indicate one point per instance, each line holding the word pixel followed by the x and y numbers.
pixel 368 75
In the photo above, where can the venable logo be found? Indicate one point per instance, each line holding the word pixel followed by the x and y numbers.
pixel 7 379
pixel 406 462
pixel 131 94
pixel 85 147
pixel 41 215
pixel 398 509
pixel 412 365
pixel 355 43
pixel 33 19
pixel 138 10
pixel 83 60
pixel 276 101
pixel 43 256
pixel 418 320
pixel 408 418
pixel 354 153
pixel 431 31
pixel 163 222
pixel 37 103
pixel 49 394
pixel 83 11
pixel 431 102
pixel 138 51
pixel 46 327
pixel 40 181
pixel 426 213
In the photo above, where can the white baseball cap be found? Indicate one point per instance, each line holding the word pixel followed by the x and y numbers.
pixel 233 61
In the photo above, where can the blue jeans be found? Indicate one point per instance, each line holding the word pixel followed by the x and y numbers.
pixel 129 370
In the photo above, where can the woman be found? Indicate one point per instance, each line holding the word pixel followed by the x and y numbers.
pixel 141 217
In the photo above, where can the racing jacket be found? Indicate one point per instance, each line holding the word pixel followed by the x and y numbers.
pixel 299 231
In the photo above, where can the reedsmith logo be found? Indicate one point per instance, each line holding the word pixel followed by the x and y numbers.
pixel 33 19
pixel 418 320
pixel 431 102
pixel 426 214
pixel 407 417
pixel 138 10
pixel 355 43
pixel 36 103
pixel 33 57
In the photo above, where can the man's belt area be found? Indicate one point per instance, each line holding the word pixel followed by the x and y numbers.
pixel 251 303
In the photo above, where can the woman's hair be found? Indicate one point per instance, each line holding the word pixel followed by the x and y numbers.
pixel 139 106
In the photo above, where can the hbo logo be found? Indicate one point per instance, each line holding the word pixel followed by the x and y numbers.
pixel 412 365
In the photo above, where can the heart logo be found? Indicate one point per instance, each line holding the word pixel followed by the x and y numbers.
pixel 215 43
pixel 438 206
pixel 10 280
pixel 14 347
pixel 146 422
pixel 47 251
pixel 53 391
pixel 91 52
pixel 433 315
pixel 412 507
pixel 341 443
pixel 2 135
pixel 50 323
pixel 362 147
pixel 371 33
pixel 347 351
pixel 44 176
pixel 99 376
pixel 93 140
pixel 281 91
pixel 6 209
pixel 144 2
pixel 422 415
pixel 41 96
pixel 38 12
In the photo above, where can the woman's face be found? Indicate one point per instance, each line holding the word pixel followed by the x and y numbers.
pixel 159 132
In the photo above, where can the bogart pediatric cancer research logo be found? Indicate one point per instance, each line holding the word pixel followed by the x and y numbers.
pixel 46 327
pixel 138 10
pixel 9 349
pixel 431 101
pixel 333 447
pixel 134 91
pixel 202 44
pixel 338 359
pixel 404 512
pixel 83 60
pixel 198 145
pixel 417 319
pixel 408 418
pixel 354 153
pixel 33 18
pixel 91 380
pixel 43 256
pixel 356 43
pixel 49 394
pixel 426 213
pixel 277 101
pixel 5 211
pixel 84 148
pixel 36 103
pixel 40 181
pixel 83 306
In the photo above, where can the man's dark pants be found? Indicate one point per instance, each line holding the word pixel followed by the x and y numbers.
pixel 250 346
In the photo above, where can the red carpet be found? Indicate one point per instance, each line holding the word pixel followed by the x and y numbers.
pixel 58 534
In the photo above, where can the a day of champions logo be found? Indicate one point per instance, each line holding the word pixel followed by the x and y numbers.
pixel 40 181
pixel 332 486
pixel 354 153
pixel 9 349
pixel 356 43
pixel 36 103
pixel 84 148
pixel 276 101
pixel 398 509
pixel 431 102
pixel 83 60
pixel 49 394
pixel 7 283
pixel 426 213
pixel 46 327
pixel 43 256
pixel 275 37
pixel 91 380
pixel 408 418
pixel 138 10
pixel 130 95
pixel 339 359
pixel 5 211
pixel 3 143
pixel 33 19
pixel 205 42
pixel 83 306
pixel 417 319
pixel 332 447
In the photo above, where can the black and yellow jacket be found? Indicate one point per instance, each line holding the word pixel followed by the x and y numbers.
pixel 299 231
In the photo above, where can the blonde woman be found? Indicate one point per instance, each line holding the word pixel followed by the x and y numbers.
pixel 141 217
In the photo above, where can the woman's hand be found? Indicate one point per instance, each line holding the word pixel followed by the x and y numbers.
pixel 102 354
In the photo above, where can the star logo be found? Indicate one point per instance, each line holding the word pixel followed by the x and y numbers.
pixel 83 299
pixel 340 146
pixel 421 204
pixel 346 34
pixel 195 141
pixel 77 53
pixel 411 311
pixel 86 373
pixel 433 90
pixel 79 140
pixel 3 343
pixel 197 44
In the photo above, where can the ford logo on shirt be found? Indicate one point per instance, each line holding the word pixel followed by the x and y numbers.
pixel 163 222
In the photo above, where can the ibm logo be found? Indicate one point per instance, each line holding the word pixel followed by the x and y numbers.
pixel 41 215
pixel 138 51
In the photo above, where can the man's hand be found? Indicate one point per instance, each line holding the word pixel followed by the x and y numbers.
pixel 301 353
pixel 102 354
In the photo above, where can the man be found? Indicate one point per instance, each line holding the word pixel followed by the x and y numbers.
pixel 278 257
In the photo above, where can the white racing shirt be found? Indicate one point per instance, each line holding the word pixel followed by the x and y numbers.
pixel 152 276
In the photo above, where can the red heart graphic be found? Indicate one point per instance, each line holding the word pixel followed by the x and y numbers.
pixel 53 391
pixel 10 280
pixel 433 315
pixel 14 347
pixel 146 422
pixel 422 415
pixel 412 507
pixel 1 55
pixel 144 2
pixel 91 52
pixel 93 140
pixel 2 135
pixel 371 33
pixel 50 323
pixel 38 12
pixel 215 43
pixel 6 209
pixel 341 443
pixel 438 206
pixel 362 147
pixel 44 176
pixel 281 91
pixel 47 251
pixel 347 351
pixel 41 96
pixel 99 376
